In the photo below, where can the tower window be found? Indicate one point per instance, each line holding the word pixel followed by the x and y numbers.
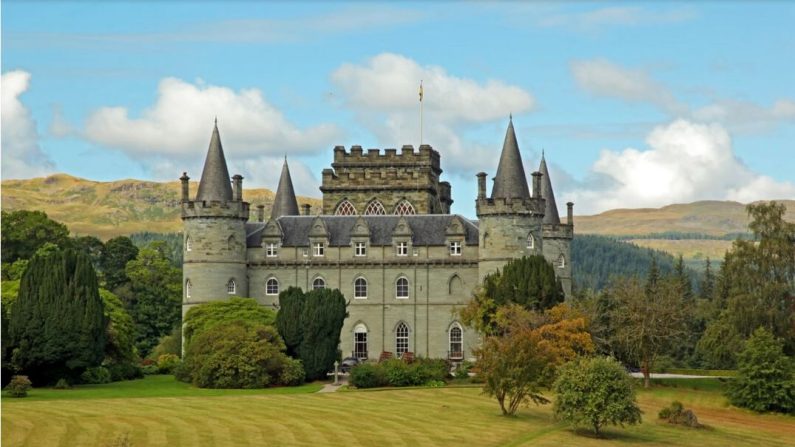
pixel 401 339
pixel 455 248
pixel 345 208
pixel 561 262
pixel 318 249
pixel 402 248
pixel 360 248
pixel 231 287
pixel 271 250
pixel 188 286
pixel 402 288
pixel 188 244
pixel 404 207
pixel 531 241
pixel 318 283
pixel 272 287
pixel 375 208
pixel 360 288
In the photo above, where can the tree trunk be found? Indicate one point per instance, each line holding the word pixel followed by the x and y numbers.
pixel 596 428
pixel 646 369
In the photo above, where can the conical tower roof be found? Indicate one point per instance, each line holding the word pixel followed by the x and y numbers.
pixel 510 181
pixel 215 184
pixel 551 213
pixel 285 203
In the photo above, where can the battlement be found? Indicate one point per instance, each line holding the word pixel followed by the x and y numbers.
pixel 229 210
pixel 558 231
pixel 358 157
pixel 501 206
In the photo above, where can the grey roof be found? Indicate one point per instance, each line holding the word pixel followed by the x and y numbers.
pixel 285 203
pixel 510 181
pixel 551 213
pixel 428 229
pixel 215 184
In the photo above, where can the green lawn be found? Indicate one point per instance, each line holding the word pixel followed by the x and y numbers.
pixel 184 416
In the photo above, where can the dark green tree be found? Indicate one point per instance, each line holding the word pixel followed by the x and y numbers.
pixel 322 318
pixel 707 287
pixel 93 247
pixel 208 315
pixel 766 379
pixel 23 232
pixel 117 253
pixel 529 282
pixel 57 325
pixel 682 276
pixel 652 278
pixel 288 319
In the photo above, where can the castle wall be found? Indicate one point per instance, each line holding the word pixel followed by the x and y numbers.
pixel 557 244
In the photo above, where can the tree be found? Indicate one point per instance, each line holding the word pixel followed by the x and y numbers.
pixel 117 253
pixel 205 316
pixel 93 247
pixel 156 296
pixel 766 378
pixel 595 392
pixel 720 343
pixel 288 319
pixel 707 287
pixel 681 275
pixel 648 320
pixel 323 315
pixel 23 232
pixel 518 360
pixel 121 357
pixel 57 325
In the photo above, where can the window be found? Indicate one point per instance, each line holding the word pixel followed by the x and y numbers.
pixel 360 288
pixel 271 250
pixel 402 288
pixel 531 241
pixel 188 244
pixel 272 287
pixel 401 339
pixel 318 249
pixel 360 341
pixel 361 248
pixel 561 262
pixel 375 208
pixel 403 249
pixel 404 207
pixel 318 283
pixel 231 287
pixel 456 342
pixel 187 288
pixel 455 248
pixel 345 208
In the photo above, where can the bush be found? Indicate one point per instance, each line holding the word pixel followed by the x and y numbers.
pixel 677 414
pixel 368 375
pixel 293 373
pixel 123 370
pixel 96 375
pixel 169 344
pixel 62 384
pixel 765 379
pixel 150 370
pixel 206 316
pixel 399 373
pixel 431 370
pixel 462 370
pixel 19 386
pixel 595 392
pixel 167 363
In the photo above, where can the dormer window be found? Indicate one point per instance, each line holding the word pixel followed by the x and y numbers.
pixel 402 248
pixel 271 250
pixel 318 249
pixel 360 249
pixel 455 248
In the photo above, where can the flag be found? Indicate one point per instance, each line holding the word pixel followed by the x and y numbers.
pixel 420 91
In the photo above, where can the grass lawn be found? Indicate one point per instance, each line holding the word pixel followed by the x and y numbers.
pixel 175 415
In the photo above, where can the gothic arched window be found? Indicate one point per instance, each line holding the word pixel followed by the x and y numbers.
pixel 375 208
pixel 188 286
pixel 404 207
pixel 188 244
pixel 345 208
pixel 561 262
pixel 531 241
pixel 231 287
pixel 401 339
pixel 456 342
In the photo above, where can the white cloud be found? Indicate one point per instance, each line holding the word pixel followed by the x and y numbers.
pixel 22 157
pixel 684 162
pixel 179 123
pixel 383 93
pixel 614 16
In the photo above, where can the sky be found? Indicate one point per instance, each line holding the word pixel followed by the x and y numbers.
pixel 633 104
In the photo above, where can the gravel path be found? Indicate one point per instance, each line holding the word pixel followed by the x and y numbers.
pixel 673 376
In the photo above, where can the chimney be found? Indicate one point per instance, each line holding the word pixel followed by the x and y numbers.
pixel 237 188
pixel 185 187
pixel 260 213
pixel 307 209
pixel 481 185
pixel 570 215
pixel 537 184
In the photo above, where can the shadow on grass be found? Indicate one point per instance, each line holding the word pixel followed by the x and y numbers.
pixel 614 434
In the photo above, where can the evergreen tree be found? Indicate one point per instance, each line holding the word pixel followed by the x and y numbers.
pixel 288 319
pixel 652 278
pixel 708 284
pixel 23 232
pixel 117 253
pixel 684 279
pixel 529 282
pixel 323 315
pixel 57 325
pixel 766 377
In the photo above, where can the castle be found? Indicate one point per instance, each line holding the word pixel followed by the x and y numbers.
pixel 385 237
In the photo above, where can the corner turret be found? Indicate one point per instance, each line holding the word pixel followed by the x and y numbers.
pixel 284 203
pixel 557 236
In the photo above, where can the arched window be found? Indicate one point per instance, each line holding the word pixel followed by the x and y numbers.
pixel 272 286
pixel 401 339
pixel 375 208
pixel 531 241
pixel 402 288
pixel 561 262
pixel 404 207
pixel 231 287
pixel 318 283
pixel 188 244
pixel 360 288
pixel 345 208
pixel 360 341
pixel 188 286
pixel 456 342
pixel 455 286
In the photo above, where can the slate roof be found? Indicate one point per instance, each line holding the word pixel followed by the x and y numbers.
pixel 214 184
pixel 551 213
pixel 510 181
pixel 285 203
pixel 428 229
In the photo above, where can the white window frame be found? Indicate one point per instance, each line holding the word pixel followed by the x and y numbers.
pixel 268 286
pixel 188 244
pixel 402 339
pixel 272 250
pixel 455 248
pixel 318 249
pixel 360 249
pixel 561 262
pixel 315 283
pixel 356 287
pixel 398 287
pixel 188 286
pixel 531 241
pixel 402 248
pixel 460 342
pixel 231 287
pixel 360 329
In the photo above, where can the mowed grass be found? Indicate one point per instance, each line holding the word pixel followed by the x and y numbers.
pixel 416 417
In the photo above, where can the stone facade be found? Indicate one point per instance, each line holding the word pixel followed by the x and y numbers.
pixel 405 271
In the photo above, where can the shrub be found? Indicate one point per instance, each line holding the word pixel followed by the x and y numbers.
pixel 169 344
pixel 19 386
pixel 150 370
pixel 399 373
pixel 368 375
pixel 462 370
pixel 436 370
pixel 95 375
pixel 166 363
pixel 595 392
pixel 293 373
pixel 123 370
pixel 765 379
pixel 206 316
pixel 62 384
pixel 677 414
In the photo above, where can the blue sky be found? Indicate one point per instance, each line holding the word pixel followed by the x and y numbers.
pixel 635 104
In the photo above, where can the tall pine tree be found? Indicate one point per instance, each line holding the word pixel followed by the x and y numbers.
pixel 321 320
pixel 288 320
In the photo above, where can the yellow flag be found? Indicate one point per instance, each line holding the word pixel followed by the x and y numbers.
pixel 420 91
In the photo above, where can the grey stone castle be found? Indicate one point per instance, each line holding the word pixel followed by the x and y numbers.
pixel 385 237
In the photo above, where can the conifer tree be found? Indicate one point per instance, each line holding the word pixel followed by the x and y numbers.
pixel 288 319
pixel 324 312
pixel 708 284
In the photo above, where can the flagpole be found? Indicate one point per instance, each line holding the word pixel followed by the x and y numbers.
pixel 421 93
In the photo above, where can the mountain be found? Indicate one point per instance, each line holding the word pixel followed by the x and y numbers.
pixel 108 209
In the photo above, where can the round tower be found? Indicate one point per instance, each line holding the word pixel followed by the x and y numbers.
pixel 214 235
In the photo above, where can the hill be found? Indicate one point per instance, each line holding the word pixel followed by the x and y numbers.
pixel 108 209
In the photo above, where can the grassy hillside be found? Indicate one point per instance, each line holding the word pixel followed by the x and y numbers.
pixel 108 209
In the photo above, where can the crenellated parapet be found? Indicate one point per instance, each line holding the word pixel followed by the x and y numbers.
pixel 558 231
pixel 216 209
pixel 510 206
pixel 357 157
